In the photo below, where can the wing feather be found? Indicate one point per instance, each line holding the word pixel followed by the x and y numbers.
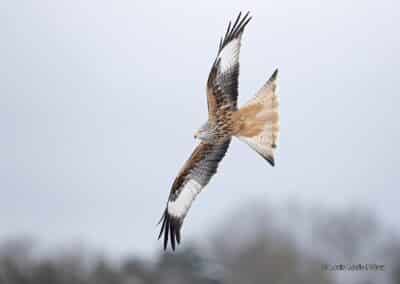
pixel 193 177
pixel 222 83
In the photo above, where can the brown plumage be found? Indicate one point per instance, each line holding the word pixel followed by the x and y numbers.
pixel 256 123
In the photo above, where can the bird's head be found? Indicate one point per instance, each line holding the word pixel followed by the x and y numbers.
pixel 204 133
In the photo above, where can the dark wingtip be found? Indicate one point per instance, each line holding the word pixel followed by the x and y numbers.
pixel 243 22
pixel 172 236
pixel 163 219
pixel 170 228
pixel 237 20
pixel 235 30
pixel 166 231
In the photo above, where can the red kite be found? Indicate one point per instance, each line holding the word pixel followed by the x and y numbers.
pixel 256 123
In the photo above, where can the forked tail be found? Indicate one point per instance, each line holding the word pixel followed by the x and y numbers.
pixel 257 122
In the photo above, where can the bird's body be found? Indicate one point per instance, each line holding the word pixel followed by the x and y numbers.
pixel 256 123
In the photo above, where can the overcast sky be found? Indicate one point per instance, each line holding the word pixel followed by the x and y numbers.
pixel 99 101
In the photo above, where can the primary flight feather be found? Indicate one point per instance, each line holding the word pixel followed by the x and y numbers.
pixel 256 123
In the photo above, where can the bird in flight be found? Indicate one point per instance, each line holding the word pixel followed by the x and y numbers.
pixel 256 123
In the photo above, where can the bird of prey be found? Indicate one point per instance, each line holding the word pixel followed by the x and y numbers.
pixel 256 123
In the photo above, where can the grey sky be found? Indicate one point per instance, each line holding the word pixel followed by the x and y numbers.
pixel 99 101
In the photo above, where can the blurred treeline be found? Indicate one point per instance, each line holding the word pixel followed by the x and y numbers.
pixel 257 244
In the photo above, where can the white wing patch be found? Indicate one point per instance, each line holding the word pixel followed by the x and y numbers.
pixel 229 55
pixel 180 206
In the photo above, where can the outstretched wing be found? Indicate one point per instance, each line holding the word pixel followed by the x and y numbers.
pixel 194 175
pixel 222 83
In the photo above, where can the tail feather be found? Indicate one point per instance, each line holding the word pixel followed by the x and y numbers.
pixel 257 122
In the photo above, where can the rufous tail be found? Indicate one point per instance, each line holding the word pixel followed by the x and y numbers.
pixel 257 122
